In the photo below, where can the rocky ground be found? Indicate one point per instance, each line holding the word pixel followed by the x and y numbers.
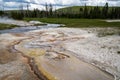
pixel 61 54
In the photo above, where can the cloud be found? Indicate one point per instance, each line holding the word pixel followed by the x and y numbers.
pixel 57 3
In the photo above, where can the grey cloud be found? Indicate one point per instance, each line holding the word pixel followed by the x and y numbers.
pixel 59 3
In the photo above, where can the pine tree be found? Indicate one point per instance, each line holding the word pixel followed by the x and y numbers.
pixel 85 13
pixel 80 12
pixel 105 11
pixel 46 7
pixel 1 13
pixel 50 10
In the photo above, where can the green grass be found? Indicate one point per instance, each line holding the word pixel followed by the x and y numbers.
pixel 77 23
pixel 6 26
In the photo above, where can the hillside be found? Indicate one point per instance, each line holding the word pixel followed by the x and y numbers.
pixel 76 9
pixel 72 8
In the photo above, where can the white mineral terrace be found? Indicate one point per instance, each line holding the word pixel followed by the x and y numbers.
pixel 98 51
pixel 61 54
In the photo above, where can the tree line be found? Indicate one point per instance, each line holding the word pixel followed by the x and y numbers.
pixel 95 12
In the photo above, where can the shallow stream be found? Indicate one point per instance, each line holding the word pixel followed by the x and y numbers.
pixel 29 28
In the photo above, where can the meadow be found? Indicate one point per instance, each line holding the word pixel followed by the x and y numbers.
pixel 77 23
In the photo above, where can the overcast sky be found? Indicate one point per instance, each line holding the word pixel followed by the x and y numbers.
pixel 15 4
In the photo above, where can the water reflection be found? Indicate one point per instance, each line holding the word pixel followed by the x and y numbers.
pixel 30 28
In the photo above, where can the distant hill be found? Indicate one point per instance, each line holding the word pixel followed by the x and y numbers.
pixel 75 9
